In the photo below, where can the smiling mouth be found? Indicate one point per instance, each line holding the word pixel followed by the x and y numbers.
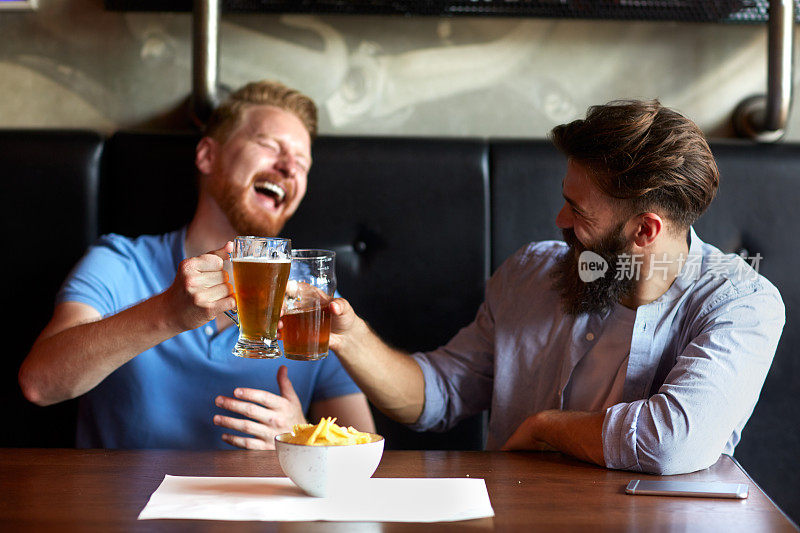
pixel 272 190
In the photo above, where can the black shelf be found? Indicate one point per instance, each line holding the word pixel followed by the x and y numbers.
pixel 720 11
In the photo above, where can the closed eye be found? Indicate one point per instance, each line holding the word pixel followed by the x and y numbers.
pixel 573 207
pixel 270 144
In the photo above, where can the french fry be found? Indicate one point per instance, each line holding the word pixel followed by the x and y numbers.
pixel 313 438
pixel 327 433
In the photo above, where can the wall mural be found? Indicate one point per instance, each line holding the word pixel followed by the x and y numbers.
pixel 74 64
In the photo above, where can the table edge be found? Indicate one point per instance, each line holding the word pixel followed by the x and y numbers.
pixel 769 498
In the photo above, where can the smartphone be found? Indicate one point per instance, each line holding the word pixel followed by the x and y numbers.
pixel 707 489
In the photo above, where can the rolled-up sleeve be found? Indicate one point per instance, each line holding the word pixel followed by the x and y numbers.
pixel 433 410
pixel 708 395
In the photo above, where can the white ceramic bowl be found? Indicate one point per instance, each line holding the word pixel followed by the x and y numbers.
pixel 323 470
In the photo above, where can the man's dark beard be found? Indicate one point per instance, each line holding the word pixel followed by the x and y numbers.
pixel 600 295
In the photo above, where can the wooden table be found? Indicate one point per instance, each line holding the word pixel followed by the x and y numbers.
pixel 103 490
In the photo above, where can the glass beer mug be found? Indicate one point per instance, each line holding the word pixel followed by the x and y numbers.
pixel 307 314
pixel 260 270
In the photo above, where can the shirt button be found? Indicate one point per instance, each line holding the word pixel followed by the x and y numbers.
pixel 590 336
pixel 209 330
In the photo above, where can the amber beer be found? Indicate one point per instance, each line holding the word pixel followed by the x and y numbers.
pixel 260 267
pixel 260 285
pixel 307 315
pixel 306 332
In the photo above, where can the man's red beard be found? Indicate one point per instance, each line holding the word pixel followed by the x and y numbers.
pixel 231 200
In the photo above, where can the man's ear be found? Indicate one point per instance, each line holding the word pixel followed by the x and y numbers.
pixel 650 226
pixel 205 155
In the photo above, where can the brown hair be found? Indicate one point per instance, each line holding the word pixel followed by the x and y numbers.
pixel 649 156
pixel 226 116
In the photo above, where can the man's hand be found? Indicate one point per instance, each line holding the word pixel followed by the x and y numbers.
pixel 201 290
pixel 269 414
pixel 343 322
pixel 526 437
pixel 575 433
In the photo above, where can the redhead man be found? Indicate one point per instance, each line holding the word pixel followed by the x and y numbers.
pixel 139 332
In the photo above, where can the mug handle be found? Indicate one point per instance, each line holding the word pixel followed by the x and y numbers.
pixel 233 316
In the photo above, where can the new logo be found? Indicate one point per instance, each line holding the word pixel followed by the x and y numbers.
pixel 591 266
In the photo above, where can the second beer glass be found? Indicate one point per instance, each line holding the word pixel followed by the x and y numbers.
pixel 260 270
pixel 307 317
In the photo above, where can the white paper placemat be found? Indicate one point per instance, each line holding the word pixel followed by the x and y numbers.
pixel 278 499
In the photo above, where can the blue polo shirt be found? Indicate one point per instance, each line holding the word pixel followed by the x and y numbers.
pixel 164 397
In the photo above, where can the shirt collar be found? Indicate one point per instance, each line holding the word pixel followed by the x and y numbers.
pixel 689 270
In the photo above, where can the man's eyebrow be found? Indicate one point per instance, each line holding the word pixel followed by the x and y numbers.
pixel 282 142
pixel 571 202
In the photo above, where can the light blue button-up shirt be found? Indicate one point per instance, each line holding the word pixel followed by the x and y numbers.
pixel 698 358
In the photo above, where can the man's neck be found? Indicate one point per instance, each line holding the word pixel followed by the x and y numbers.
pixel 209 229
pixel 660 266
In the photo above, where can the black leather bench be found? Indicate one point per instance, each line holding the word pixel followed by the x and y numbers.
pixel 418 225
pixel 368 200
pixel 49 190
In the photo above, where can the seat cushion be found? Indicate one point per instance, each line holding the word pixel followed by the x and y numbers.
pixel 149 182
pixel 408 220
pixel 49 183
pixel 757 211
pixel 526 194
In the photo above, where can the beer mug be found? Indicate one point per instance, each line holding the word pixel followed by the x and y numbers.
pixel 307 313
pixel 260 270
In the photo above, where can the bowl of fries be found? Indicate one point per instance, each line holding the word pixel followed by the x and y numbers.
pixel 325 458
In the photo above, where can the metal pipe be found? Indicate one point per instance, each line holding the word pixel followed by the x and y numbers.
pixel 205 58
pixel 779 68
pixel 764 118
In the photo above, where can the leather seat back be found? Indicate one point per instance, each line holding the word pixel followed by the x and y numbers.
pixel 49 186
pixel 755 212
pixel 369 200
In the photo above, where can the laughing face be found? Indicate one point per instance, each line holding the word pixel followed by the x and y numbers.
pixel 589 221
pixel 258 175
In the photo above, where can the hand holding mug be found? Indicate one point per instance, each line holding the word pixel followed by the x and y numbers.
pixel 201 290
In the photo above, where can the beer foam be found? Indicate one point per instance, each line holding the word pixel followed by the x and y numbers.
pixel 260 260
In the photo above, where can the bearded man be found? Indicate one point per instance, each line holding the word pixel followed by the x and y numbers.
pixel 138 331
pixel 633 345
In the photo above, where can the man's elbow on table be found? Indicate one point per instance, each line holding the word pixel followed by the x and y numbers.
pixel 670 455
pixel 645 436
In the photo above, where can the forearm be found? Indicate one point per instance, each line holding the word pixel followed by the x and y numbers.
pixel 391 379
pixel 576 433
pixel 72 361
